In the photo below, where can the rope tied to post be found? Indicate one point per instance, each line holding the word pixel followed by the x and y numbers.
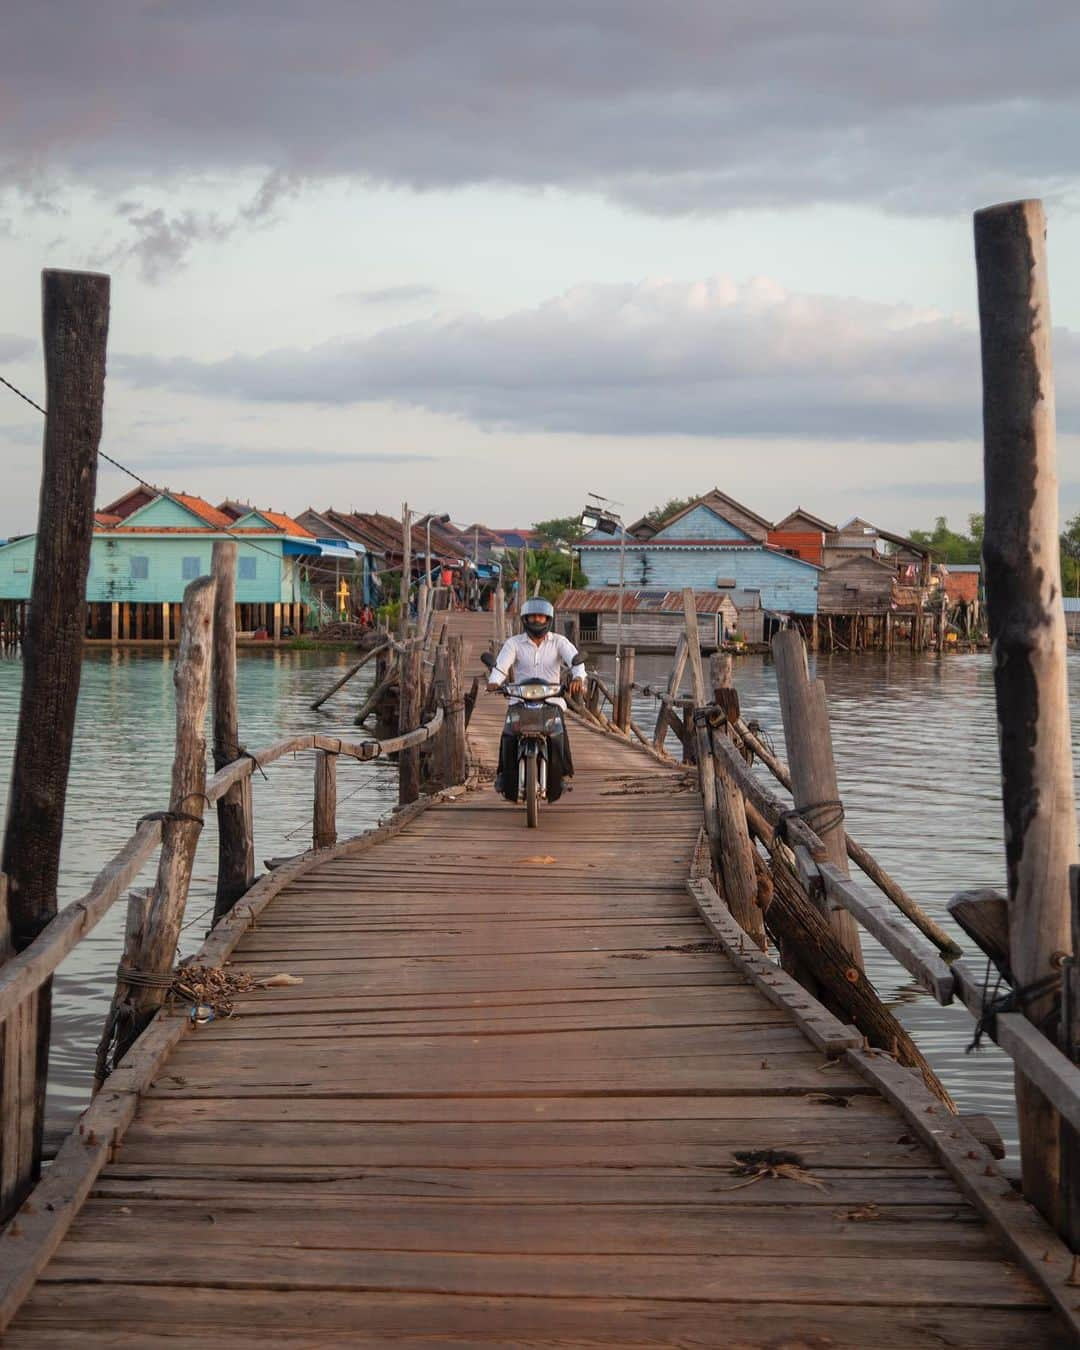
pixel 821 816
pixel 243 753
pixel 1012 1000
pixel 175 813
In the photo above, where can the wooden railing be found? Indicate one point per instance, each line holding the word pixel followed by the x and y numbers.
pixel 805 901
pixel 431 716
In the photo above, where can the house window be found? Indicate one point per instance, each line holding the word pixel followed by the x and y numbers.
pixel 590 627
pixel 245 569
pixel 140 567
pixel 20 566
pixel 189 568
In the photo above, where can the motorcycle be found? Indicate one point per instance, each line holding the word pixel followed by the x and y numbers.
pixel 539 732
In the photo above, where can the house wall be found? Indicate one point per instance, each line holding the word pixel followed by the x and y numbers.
pixel 702 523
pixel 858 586
pixel 276 579
pixel 16 569
pixel 787 585
pixel 962 586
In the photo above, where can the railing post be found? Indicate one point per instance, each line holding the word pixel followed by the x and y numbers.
pixel 1027 632
pixel 409 720
pixel 457 749
pixel 624 693
pixel 75 323
pixel 814 788
pixel 324 821
pixel 236 842
pixel 675 678
pixel 722 802
pixel 183 823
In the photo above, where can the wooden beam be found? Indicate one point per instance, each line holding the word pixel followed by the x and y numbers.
pixel 352 670
pixel 75 322
pixel 1027 631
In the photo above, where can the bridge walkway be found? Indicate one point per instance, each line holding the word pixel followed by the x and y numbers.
pixel 503 1109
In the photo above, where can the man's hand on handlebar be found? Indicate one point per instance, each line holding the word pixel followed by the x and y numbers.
pixel 492 688
pixel 577 688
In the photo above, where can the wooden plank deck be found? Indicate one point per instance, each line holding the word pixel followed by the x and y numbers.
pixel 502 1109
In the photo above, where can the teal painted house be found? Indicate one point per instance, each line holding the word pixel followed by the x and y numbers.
pixel 148 546
pixel 715 544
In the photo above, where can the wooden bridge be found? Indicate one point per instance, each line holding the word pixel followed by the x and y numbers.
pixel 491 1086
pixel 523 1097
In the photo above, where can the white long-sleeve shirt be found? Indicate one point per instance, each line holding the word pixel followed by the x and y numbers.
pixel 523 659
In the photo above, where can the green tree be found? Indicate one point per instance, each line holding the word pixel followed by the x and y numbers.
pixel 555 569
pixel 670 508
pixel 1070 557
pixel 562 531
pixel 947 545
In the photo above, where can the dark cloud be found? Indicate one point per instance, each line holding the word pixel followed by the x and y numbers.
pixel 707 359
pixel 914 105
pixel 160 242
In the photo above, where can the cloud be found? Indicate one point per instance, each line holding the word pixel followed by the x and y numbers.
pixel 162 242
pixel 391 295
pixel 913 105
pixel 704 359
pixel 207 456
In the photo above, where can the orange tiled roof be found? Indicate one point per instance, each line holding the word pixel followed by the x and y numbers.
pixel 203 510
pixel 286 523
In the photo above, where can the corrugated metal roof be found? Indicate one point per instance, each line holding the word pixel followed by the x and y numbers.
pixel 606 601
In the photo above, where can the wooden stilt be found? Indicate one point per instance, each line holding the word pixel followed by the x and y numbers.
pixel 235 812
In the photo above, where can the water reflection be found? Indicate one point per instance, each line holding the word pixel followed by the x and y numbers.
pixel 121 763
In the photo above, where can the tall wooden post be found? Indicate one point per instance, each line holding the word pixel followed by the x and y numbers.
pixel 406 570
pixel 457 749
pixel 324 818
pixel 236 841
pixel 624 693
pixel 75 325
pixel 409 720
pixel 183 825
pixel 1027 632
pixel 523 576
pixel 813 769
pixel 674 684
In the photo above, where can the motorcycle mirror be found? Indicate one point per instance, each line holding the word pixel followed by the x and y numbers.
pixel 487 660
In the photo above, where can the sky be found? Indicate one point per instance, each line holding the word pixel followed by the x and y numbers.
pixel 487 256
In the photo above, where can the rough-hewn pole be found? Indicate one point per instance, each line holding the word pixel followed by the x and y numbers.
pixel 324 818
pixel 409 720
pixel 1027 633
pixel 183 823
pixel 236 840
pixel 624 693
pixel 457 749
pixel 674 684
pixel 813 770
pixel 406 570
pixel 75 323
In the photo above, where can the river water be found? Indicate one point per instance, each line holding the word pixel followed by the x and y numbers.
pixel 916 754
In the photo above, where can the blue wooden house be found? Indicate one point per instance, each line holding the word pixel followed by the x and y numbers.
pixel 148 545
pixel 715 545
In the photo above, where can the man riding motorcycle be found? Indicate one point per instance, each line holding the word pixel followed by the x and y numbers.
pixel 537 653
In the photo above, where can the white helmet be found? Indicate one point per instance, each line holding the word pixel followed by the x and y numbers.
pixel 537 616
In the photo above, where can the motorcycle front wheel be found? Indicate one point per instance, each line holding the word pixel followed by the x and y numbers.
pixel 532 793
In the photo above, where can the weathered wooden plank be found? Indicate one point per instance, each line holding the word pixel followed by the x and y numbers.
pixel 296 1318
